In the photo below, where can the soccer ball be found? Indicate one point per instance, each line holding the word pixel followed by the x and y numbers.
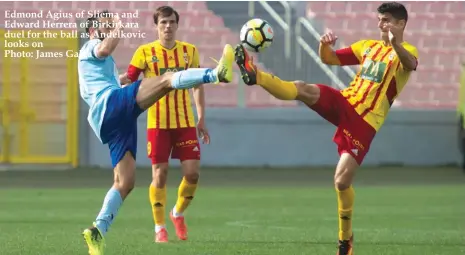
pixel 256 35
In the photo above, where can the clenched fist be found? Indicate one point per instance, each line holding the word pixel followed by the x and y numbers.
pixel 328 38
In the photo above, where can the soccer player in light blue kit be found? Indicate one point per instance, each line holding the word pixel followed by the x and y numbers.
pixel 114 109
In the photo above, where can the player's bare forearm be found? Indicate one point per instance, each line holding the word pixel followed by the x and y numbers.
pixel 199 99
pixel 408 61
pixel 328 55
pixel 108 45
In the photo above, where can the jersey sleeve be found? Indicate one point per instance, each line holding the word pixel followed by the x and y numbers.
pixel 195 58
pixel 414 51
pixel 90 49
pixel 351 55
pixel 137 64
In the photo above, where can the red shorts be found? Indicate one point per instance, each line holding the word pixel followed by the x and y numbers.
pixel 181 143
pixel 353 134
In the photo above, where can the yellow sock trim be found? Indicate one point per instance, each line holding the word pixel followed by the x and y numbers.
pixel 158 203
pixel 284 90
pixel 186 193
pixel 345 203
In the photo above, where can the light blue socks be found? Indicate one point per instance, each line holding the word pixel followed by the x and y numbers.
pixel 191 78
pixel 111 205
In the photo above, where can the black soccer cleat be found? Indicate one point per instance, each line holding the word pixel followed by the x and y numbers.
pixel 345 247
pixel 246 65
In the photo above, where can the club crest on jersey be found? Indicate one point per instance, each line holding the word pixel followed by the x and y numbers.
pixel 154 59
pixel 367 51
pixel 392 55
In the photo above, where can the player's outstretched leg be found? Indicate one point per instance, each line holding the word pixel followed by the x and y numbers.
pixel 122 186
pixel 284 90
pixel 152 89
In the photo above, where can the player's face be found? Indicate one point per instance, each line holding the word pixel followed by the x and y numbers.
pixel 167 27
pixel 384 19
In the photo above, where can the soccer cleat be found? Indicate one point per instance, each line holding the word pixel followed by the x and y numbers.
pixel 161 236
pixel 224 69
pixel 246 65
pixel 345 247
pixel 179 226
pixel 95 240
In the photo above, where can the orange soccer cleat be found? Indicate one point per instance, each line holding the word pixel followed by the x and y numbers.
pixel 180 226
pixel 161 236
pixel 246 65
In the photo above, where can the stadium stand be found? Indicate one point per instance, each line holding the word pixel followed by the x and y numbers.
pixel 198 25
pixel 437 29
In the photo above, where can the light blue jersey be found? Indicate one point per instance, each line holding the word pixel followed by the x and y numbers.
pixel 97 78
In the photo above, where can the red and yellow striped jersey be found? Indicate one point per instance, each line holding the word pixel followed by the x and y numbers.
pixel 175 109
pixel 379 80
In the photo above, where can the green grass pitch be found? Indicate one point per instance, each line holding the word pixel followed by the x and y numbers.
pixel 241 211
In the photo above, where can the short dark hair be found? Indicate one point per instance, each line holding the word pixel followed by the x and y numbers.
pixel 93 22
pixel 397 10
pixel 164 11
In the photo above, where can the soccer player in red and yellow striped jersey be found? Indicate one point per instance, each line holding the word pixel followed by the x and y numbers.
pixel 171 127
pixel 358 111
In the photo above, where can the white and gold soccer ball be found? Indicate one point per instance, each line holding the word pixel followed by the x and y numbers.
pixel 256 35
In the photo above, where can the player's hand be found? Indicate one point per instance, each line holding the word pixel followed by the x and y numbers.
pixel 329 38
pixel 395 31
pixel 124 79
pixel 203 132
pixel 117 22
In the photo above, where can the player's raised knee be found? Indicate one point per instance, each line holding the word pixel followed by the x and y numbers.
pixel 163 81
pixel 307 93
pixel 166 79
